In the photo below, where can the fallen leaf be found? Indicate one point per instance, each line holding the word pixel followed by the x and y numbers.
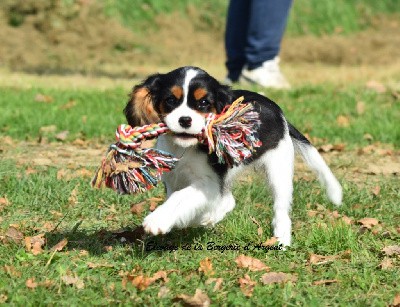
pixel 60 245
pixel 12 271
pixel 62 136
pixel 396 300
pixel 200 299
pixel 154 202
pixel 70 104
pixel 386 264
pixel 247 285
pixel 360 107
pixel 325 148
pixel 34 244
pixel 368 222
pixel 206 267
pixel 319 259
pixel 218 283
pixel 142 282
pixel 92 265
pixel 376 190
pixel 4 201
pixel 391 250
pixel 347 220
pixel 14 234
pixel 277 277
pixel 73 197
pixel 30 283
pixel 376 86
pixel 73 281
pixel 252 264
pixel 43 98
pixel 312 213
pixel 138 208
pixel 325 282
pixel 343 121
pixel 259 229
pixel 271 241
pixel 3 298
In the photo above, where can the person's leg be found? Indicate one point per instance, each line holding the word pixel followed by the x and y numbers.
pixel 267 22
pixel 236 36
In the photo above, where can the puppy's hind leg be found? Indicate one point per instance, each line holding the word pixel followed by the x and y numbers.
pixel 279 164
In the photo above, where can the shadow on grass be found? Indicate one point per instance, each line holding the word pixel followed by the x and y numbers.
pixel 100 242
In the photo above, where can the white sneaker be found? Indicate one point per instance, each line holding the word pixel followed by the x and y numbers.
pixel 267 75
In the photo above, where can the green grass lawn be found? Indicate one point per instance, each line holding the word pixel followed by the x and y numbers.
pixel 100 265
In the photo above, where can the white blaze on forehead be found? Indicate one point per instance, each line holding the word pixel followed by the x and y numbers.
pixel 190 74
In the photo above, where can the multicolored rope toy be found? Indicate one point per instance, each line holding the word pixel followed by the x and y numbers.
pixel 130 166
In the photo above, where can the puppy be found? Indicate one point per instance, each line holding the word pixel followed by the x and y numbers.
pixel 199 188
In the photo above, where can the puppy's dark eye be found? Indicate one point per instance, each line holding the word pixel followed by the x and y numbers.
pixel 203 104
pixel 170 101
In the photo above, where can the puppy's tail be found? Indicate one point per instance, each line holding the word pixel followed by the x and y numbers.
pixel 315 161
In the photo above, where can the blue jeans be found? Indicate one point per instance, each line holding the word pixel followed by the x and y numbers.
pixel 254 31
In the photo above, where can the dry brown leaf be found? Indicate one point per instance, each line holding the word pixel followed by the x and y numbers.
pixel 70 104
pixel 347 220
pixel 73 197
pixel 252 264
pixel 138 208
pixel 277 277
pixel 319 259
pixel 30 283
pixel 154 202
pixel 387 168
pixel 368 222
pixel 325 148
pixel 386 264
pixel 312 213
pixel 62 136
pixel 325 282
pixel 343 121
pixel 396 300
pixel 218 283
pixel 376 190
pixel 142 282
pixel 13 234
pixel 247 285
pixel 92 265
pixel 73 281
pixel 3 298
pixel 376 86
pixel 34 244
pixel 391 250
pixel 60 245
pixel 206 267
pixel 271 241
pixel 4 201
pixel 360 107
pixel 12 271
pixel 43 98
pixel 200 299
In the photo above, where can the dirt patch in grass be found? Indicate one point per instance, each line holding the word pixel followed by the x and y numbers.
pixel 47 36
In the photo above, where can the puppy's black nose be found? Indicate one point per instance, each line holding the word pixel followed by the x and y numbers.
pixel 185 121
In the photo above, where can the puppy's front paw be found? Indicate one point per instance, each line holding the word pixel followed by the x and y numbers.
pixel 157 223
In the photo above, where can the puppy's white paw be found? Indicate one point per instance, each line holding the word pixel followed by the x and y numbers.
pixel 157 223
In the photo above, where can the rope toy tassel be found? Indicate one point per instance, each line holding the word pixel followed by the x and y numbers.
pixel 232 135
pixel 130 166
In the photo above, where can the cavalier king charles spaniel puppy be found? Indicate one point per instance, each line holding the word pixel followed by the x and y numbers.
pixel 199 188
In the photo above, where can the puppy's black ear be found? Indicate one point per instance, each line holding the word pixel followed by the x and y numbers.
pixel 140 109
pixel 224 97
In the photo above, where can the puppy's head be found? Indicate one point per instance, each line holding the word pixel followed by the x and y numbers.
pixel 181 99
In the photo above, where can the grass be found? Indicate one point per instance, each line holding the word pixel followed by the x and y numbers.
pixel 100 267
pixel 307 16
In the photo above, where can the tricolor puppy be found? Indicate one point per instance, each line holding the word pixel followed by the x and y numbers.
pixel 199 188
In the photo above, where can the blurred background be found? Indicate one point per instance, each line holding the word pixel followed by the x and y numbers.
pixel 131 38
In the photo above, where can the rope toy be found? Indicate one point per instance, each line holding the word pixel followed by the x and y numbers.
pixel 131 166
